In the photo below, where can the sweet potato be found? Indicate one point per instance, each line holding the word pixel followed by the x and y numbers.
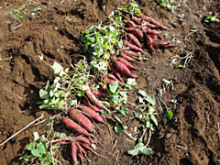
pixel 136 20
pixel 108 81
pixel 70 124
pixel 103 88
pixel 82 139
pixel 80 152
pixel 129 23
pixel 153 32
pixel 147 25
pixel 151 20
pixel 150 43
pixel 123 55
pixel 132 38
pixel 130 52
pixel 137 32
pixel 126 63
pixel 133 47
pixel 94 100
pixel 91 114
pixel 81 120
pixel 123 69
pixel 74 152
pixel 111 76
pixel 116 73
pixel 91 106
pixel 99 93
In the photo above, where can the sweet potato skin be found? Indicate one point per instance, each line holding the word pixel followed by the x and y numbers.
pixel 81 120
pixel 70 124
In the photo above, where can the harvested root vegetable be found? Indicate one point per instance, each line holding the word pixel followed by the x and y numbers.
pixel 94 100
pixel 91 114
pixel 70 124
pixel 126 63
pixel 153 32
pixel 108 81
pixel 148 25
pixel 94 116
pixel 128 58
pixel 134 39
pixel 74 152
pixel 137 32
pixel 129 23
pixel 111 76
pixel 150 41
pixel 123 69
pixel 151 20
pixel 164 44
pixel 136 20
pixel 99 93
pixel 81 120
pixel 130 52
pixel 82 139
pixel 91 106
pixel 118 75
pixel 133 47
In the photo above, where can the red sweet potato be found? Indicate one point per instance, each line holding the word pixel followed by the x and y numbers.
pixel 123 55
pixel 108 81
pixel 153 32
pixel 129 23
pixel 132 38
pixel 94 100
pixel 74 126
pixel 123 69
pixel 133 47
pixel 136 20
pixel 80 152
pixel 99 93
pixel 130 52
pixel 111 76
pixel 91 114
pixel 81 120
pixel 153 21
pixel 150 43
pixel 116 73
pixel 148 25
pixel 74 152
pixel 126 63
pixel 91 106
pixel 82 139
pixel 137 32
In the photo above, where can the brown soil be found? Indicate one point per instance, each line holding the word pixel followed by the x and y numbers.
pixel 192 137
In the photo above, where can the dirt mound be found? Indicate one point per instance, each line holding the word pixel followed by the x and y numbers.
pixel 30 46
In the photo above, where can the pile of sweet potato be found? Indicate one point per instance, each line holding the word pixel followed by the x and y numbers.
pixel 140 31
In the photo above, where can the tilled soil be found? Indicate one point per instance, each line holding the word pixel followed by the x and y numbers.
pixel 191 137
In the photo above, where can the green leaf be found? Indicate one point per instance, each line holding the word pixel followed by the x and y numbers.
pixel 170 114
pixel 131 82
pixel 118 128
pixel 47 159
pixel 113 87
pixel 31 145
pixel 39 150
pixel 150 99
pixel 43 94
pixel 80 93
pixel 57 68
pixel 142 93
pixel 140 149
pixel 124 112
